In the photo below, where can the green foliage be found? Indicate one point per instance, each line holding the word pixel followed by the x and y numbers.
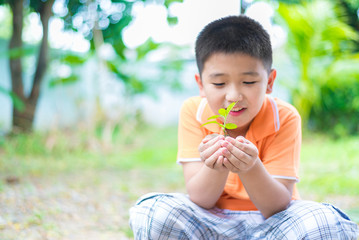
pixel 18 103
pixel 63 81
pixel 134 85
pixel 126 69
pixel 100 23
pixel 172 20
pixel 66 58
pixel 146 47
pixel 73 59
pixel 223 113
pixel 337 109
pixel 141 76
pixel 116 20
pixel 21 52
pixel 318 40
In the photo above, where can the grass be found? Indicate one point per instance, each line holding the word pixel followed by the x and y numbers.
pixel 329 166
pixel 330 171
pixel 38 154
pixel 129 165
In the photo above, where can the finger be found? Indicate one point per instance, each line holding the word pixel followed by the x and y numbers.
pixel 207 141
pixel 229 165
pixel 233 149
pixel 237 139
pixel 241 139
pixel 235 156
pixel 219 163
pixel 206 153
pixel 211 160
pixel 209 137
pixel 250 149
pixel 245 146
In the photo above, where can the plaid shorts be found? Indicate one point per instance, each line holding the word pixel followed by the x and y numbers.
pixel 174 216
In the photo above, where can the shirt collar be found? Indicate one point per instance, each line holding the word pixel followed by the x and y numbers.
pixel 267 120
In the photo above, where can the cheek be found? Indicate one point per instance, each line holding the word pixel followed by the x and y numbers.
pixel 214 103
pixel 256 98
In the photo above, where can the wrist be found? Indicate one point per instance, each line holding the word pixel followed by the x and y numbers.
pixel 218 171
pixel 255 164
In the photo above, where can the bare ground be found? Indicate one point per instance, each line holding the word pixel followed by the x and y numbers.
pixel 90 205
pixel 73 206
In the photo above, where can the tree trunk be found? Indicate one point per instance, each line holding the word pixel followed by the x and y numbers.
pixel 23 119
pixel 15 61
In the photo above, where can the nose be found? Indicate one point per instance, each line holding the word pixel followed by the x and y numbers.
pixel 233 94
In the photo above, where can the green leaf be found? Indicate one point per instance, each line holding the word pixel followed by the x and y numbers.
pixel 62 81
pixel 214 117
pixel 172 20
pixel 222 112
pixel 167 3
pixel 112 66
pixel 74 59
pixel 146 47
pixel 210 122
pixel 229 108
pixel 231 126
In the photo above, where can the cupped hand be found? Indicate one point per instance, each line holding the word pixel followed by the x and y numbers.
pixel 210 150
pixel 240 155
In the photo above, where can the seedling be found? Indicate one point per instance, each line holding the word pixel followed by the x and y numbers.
pixel 223 113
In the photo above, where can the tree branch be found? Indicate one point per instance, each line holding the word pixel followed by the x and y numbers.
pixel 42 60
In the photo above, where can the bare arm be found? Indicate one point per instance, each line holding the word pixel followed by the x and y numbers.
pixel 204 185
pixel 205 180
pixel 269 195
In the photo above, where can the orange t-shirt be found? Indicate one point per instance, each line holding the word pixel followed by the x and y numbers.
pixel 276 132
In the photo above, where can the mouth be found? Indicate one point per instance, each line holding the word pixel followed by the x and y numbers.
pixel 236 111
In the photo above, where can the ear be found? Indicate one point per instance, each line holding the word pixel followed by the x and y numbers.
pixel 200 85
pixel 271 78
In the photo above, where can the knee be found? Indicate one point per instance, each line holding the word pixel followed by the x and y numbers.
pixel 155 216
pixel 316 219
pixel 311 214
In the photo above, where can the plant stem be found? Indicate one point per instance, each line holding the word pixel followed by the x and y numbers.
pixel 224 126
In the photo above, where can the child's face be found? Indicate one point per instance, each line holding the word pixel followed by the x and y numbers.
pixel 228 78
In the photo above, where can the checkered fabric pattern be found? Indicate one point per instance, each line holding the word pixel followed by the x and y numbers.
pixel 174 216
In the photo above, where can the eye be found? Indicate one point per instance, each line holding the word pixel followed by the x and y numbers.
pixel 218 84
pixel 250 82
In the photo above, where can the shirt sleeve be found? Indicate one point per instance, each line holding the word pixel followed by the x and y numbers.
pixel 281 154
pixel 190 133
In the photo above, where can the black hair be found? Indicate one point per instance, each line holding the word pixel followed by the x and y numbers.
pixel 234 34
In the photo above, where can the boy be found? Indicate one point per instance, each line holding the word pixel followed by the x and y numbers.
pixel 240 186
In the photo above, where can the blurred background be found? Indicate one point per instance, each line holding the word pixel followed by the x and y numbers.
pixel 90 92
